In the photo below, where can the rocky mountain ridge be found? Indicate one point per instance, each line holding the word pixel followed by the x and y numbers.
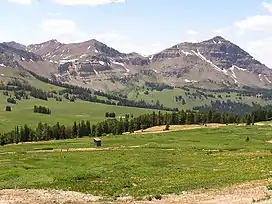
pixel 216 62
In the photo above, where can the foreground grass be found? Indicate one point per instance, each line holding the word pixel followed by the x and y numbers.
pixel 64 112
pixel 151 164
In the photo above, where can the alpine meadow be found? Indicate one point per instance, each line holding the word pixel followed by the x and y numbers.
pixel 132 101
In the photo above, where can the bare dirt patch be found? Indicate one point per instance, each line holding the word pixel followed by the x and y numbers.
pixel 25 196
pixel 252 192
pixel 67 150
pixel 248 193
pixel 160 129
pixel 75 150
pixel 269 142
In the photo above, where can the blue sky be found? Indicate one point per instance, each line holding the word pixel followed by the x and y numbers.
pixel 144 26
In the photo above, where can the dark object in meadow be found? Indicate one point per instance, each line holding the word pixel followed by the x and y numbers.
pixel 167 127
pixel 97 142
pixel 247 139
pixel 8 108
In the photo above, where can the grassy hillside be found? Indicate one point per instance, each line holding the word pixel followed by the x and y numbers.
pixel 8 74
pixel 65 112
pixel 142 165
pixel 167 98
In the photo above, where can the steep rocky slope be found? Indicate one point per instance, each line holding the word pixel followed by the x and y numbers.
pixel 214 63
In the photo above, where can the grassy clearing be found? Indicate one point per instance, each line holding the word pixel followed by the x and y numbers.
pixel 64 112
pixel 151 164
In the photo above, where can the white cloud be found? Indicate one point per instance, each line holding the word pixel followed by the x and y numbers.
pixel 191 32
pixel 261 50
pixel 22 1
pixel 61 29
pixel 125 44
pixel 268 6
pixel 54 14
pixel 254 23
pixel 88 2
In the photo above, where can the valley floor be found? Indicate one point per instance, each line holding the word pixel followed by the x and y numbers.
pixel 247 193
pixel 230 164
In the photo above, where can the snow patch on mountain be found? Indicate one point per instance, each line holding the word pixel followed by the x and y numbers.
pixel 190 81
pixel 260 77
pixel 95 72
pixel 241 69
pixel 198 54
pixel 102 63
pixel 121 64
pixel 267 79
pixel 233 75
pixel 65 61
pixel 186 53
pixel 84 55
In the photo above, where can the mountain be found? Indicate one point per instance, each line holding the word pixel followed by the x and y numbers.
pixel 216 62
pixel 15 45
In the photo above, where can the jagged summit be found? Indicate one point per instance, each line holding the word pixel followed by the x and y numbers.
pixel 214 62
pixel 216 40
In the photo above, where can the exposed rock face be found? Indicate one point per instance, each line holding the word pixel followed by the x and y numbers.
pixel 15 45
pixel 13 57
pixel 216 62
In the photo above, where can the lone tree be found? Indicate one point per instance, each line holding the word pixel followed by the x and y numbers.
pixel 247 139
pixel 8 108
pixel 107 114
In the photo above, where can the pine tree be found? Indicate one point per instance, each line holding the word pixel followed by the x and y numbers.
pixel 8 108
pixel 154 119
pixel 209 116
pixel 126 123
pixel 131 126
pixel 88 128
pixel 75 129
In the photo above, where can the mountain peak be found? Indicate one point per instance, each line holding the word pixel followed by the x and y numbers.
pixel 216 40
pixel 219 38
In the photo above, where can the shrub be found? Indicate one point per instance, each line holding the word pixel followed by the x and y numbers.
pixel 11 100
pixel 8 108
pixel 158 197
pixel 247 139
pixel 167 127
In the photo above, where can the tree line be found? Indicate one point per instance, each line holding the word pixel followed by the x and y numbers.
pixel 110 115
pixel 42 110
pixel 72 93
pixel 129 123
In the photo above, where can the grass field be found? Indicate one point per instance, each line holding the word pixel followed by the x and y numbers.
pixel 141 165
pixel 64 112
pixel 166 97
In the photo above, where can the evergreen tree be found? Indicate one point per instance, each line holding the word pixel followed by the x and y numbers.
pixel 88 128
pixel 8 108
pixel 75 129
